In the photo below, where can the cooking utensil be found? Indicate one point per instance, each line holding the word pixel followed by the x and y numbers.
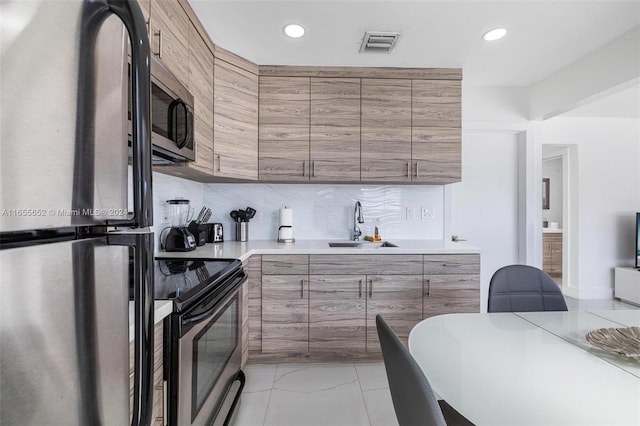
pixel 242 215
pixel 207 216
pixel 201 215
pixel 234 215
pixel 251 212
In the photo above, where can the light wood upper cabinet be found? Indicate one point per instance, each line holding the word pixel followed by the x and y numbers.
pixel 436 139
pixel 169 36
pixel 386 130
pixel 284 129
pixel 201 86
pixel 235 121
pixel 335 129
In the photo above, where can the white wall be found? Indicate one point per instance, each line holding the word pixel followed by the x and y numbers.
pixel 608 186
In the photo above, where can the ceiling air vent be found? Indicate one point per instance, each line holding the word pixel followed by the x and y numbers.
pixel 379 41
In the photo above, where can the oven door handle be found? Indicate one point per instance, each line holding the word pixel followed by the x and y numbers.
pixel 211 304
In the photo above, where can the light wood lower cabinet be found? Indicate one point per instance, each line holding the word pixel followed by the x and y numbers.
pixel 552 253
pixel 285 313
pixel 337 313
pixel 451 284
pixel 254 286
pixel 398 298
pixel 159 394
pixel 323 307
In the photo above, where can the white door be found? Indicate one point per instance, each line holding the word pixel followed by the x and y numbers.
pixel 484 206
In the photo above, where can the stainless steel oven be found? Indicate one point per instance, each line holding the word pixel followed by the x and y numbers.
pixel 202 338
pixel 172 117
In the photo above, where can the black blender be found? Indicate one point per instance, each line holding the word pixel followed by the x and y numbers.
pixel 178 237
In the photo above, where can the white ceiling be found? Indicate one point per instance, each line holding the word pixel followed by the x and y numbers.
pixel 544 36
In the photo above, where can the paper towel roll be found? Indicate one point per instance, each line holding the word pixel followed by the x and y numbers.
pixel 285 233
pixel 285 230
pixel 286 216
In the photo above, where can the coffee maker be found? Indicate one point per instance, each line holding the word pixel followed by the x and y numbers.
pixel 178 237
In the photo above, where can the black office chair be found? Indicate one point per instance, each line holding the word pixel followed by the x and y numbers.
pixel 413 399
pixel 523 288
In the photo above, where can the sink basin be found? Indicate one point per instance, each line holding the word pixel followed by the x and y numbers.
pixel 361 244
pixel 344 244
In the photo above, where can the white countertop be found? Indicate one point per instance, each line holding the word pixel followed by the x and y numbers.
pixel 551 230
pixel 244 250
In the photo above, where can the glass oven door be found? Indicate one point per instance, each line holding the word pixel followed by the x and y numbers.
pixel 213 347
pixel 209 357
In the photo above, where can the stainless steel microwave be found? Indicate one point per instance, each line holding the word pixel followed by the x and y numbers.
pixel 171 117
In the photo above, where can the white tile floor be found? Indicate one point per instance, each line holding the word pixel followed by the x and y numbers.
pixel 333 394
pixel 316 394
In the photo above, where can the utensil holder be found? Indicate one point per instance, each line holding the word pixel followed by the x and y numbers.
pixel 242 231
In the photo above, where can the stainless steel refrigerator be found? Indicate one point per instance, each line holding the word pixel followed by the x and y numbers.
pixel 75 213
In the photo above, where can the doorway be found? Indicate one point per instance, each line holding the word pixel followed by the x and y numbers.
pixel 559 250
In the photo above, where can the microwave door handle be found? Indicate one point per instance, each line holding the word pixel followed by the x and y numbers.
pixel 173 118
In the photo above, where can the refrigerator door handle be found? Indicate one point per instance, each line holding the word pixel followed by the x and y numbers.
pixel 94 14
pixel 144 321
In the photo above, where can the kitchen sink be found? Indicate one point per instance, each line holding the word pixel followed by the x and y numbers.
pixel 361 244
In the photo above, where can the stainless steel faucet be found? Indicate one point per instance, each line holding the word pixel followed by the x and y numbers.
pixel 357 218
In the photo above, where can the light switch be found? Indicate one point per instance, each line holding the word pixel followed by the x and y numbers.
pixel 411 213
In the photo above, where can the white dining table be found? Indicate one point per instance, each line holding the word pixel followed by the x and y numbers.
pixel 534 368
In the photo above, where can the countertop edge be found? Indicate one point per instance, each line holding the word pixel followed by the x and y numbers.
pixel 161 309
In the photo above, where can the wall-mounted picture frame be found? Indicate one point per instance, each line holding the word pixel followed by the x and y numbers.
pixel 545 193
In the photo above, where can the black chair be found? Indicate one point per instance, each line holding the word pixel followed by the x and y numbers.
pixel 413 399
pixel 523 288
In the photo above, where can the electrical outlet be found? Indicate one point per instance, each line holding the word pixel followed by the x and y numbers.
pixel 165 217
pixel 411 213
pixel 427 213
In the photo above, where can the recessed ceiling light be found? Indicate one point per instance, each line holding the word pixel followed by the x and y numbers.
pixel 494 34
pixel 294 30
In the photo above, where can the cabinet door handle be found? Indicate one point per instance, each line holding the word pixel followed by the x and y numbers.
pixel 219 163
pixel 428 287
pixel 360 288
pixel 302 289
pixel 417 169
pixel 159 35
pixel 313 169
pixel 370 288
pixel 408 169
pixel 304 168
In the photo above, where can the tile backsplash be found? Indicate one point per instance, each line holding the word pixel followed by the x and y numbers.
pixel 319 211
